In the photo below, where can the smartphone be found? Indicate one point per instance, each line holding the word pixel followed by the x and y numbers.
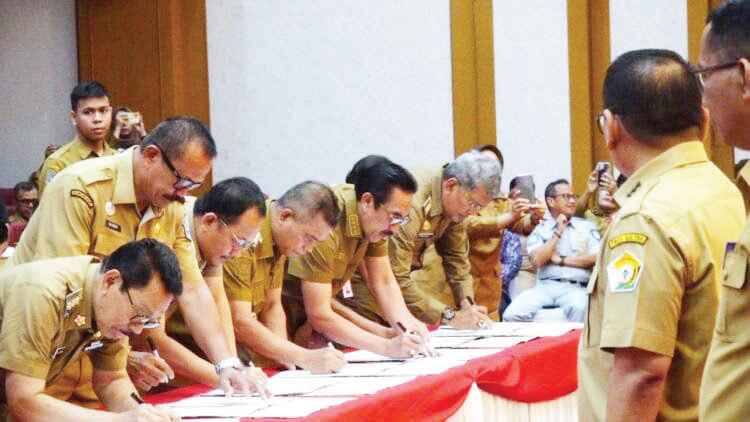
pixel 525 186
pixel 601 168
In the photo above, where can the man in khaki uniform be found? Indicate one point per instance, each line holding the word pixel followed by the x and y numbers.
pixel 91 115
pixel 221 224
pixel 485 233
pixel 446 196
pixel 293 225
pixel 27 199
pixel 653 291
pixel 725 74
pixel 96 205
pixel 371 209
pixel 52 311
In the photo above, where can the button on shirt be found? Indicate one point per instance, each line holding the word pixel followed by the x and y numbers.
pixel 580 237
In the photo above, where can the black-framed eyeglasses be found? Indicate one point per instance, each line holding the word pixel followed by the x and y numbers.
pixel 182 182
pixel 701 71
pixel 567 196
pixel 139 318
pixel 238 242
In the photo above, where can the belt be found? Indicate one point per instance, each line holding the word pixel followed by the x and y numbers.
pixel 567 280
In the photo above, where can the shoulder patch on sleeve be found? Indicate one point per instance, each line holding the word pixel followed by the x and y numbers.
pixel 627 238
pixel 83 196
pixel 624 273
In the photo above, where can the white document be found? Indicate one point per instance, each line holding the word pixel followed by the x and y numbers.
pixel 494 342
pixel 356 386
pixel 463 355
pixel 220 406
pixel 449 341
pixel 367 356
pixel 288 386
pixel 426 366
pixel 356 369
pixel 547 329
pixel 297 407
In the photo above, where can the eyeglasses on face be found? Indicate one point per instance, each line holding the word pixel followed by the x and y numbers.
pixel 238 242
pixel 474 206
pixel 140 318
pixel 567 196
pixel 702 72
pixel 182 182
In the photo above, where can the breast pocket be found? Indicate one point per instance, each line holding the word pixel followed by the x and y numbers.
pixel 732 317
pixel 106 243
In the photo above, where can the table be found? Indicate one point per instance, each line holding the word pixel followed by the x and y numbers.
pixel 535 380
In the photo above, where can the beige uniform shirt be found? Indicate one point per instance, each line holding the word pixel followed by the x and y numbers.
pixel 72 152
pixel 250 276
pixel 654 286
pixel 485 242
pixel 332 261
pixel 725 389
pixel 46 313
pixel 90 209
pixel 423 283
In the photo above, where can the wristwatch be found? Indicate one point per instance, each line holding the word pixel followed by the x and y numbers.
pixel 228 363
pixel 448 314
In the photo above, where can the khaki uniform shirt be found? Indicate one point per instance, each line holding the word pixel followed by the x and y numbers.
pixel 485 242
pixel 72 152
pixel 654 286
pixel 332 261
pixel 725 389
pixel 46 313
pixel 90 209
pixel 250 276
pixel 406 249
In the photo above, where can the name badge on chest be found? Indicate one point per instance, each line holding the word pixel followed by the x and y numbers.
pixel 346 290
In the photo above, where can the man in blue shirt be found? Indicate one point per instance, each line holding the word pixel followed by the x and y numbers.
pixel 564 249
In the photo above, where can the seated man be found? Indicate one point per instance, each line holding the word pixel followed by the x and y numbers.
pixel 27 198
pixel 91 115
pixel 564 249
pixel 371 209
pixel 53 310
pixel 446 196
pixel 293 225
pixel 221 224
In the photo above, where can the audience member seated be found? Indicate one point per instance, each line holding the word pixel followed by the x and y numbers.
pixel 3 241
pixel 596 204
pixel 510 264
pixel 564 249
pixel 27 198
pixel 526 277
pixel 91 115
pixel 128 129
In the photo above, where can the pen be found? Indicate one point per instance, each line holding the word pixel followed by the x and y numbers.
pixel 137 398
pixel 152 346
pixel 471 302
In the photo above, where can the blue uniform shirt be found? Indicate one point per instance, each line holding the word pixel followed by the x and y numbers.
pixel 580 237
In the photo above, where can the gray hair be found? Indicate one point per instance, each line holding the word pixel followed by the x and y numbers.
pixel 472 170
pixel 309 199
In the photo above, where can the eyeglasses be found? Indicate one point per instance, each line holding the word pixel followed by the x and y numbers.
pixel 472 205
pixel 182 182
pixel 700 71
pixel 28 202
pixel 567 196
pixel 238 242
pixel 400 220
pixel 141 319
pixel 600 120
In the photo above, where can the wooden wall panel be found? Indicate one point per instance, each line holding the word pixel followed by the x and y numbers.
pixel 588 59
pixel 150 54
pixel 473 74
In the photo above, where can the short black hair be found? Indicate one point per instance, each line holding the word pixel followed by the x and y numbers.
pixel 550 191
pixel 654 93
pixel 87 89
pixel 137 261
pixel 230 198
pixel 174 133
pixel 23 186
pixel 493 149
pixel 380 178
pixel 311 198
pixel 729 36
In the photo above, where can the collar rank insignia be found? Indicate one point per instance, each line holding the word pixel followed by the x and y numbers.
pixel 80 320
pixel 97 344
pixel 71 301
